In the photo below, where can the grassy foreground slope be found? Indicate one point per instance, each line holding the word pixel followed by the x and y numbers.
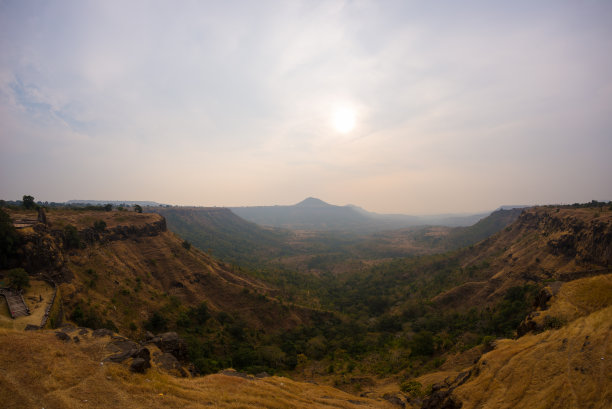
pixel 570 367
pixel 66 375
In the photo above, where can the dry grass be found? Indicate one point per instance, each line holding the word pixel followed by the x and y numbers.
pixel 566 368
pixel 580 297
pixel 37 370
pixel 59 218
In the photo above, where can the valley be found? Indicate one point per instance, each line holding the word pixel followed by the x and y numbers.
pixel 425 316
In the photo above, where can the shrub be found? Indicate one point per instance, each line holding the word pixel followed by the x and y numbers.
pixel 412 388
pixel 138 208
pixel 18 279
pixel 186 245
pixel 422 344
pixel 156 323
pixel 553 322
pixel 71 237
pixel 99 225
pixel 88 317
pixel 200 313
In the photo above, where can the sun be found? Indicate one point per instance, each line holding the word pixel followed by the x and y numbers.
pixel 343 120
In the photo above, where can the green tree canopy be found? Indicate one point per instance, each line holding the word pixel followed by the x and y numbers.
pixel 18 279
pixel 28 201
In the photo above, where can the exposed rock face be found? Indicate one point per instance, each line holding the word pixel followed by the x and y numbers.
pixel 394 399
pixel 588 241
pixel 42 250
pixel 442 394
pixel 169 363
pixel 543 297
pixel 170 342
pixel 442 399
pixel 91 235
pixel 102 332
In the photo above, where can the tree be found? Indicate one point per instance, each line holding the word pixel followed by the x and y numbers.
pixel 8 238
pixel 28 201
pixel 186 245
pixel 18 279
pixel 137 208
pixel 108 207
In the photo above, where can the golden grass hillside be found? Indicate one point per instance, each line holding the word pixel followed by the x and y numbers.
pixel 569 367
pixel 37 370
pixel 566 368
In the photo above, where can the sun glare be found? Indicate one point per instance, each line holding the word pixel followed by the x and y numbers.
pixel 344 120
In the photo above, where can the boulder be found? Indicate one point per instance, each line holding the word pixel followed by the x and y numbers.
pixel 62 336
pixel 122 345
pixel 140 365
pixel 394 399
pixel 169 363
pixel 102 332
pixel 119 356
pixel 143 353
pixel 171 343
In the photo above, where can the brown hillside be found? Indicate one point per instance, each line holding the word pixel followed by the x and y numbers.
pixel 40 371
pixel 135 266
pixel 544 244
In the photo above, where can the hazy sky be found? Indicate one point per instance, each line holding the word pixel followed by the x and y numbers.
pixel 459 105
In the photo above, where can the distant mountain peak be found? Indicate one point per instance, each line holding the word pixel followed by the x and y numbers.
pixel 312 202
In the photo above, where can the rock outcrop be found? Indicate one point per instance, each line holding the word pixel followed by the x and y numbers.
pixel 171 343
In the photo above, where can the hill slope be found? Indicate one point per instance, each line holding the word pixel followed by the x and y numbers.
pixel 568 367
pixel 226 236
pixel 134 275
pixel 64 375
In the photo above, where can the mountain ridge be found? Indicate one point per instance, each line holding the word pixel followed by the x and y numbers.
pixel 317 215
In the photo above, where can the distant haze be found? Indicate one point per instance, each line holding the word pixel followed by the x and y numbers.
pixel 394 106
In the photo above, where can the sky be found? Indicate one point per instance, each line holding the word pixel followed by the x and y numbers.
pixel 414 107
